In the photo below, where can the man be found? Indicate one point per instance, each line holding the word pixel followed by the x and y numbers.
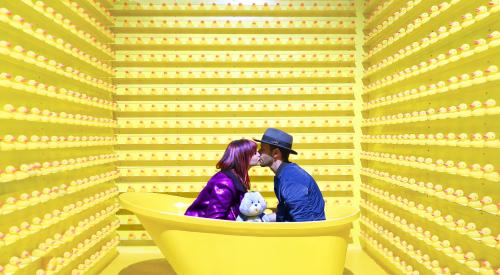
pixel 299 197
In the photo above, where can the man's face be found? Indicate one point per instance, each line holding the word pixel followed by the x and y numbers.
pixel 266 158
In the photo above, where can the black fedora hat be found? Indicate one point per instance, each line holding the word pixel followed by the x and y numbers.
pixel 278 138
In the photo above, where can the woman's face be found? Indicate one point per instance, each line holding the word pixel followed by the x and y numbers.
pixel 255 159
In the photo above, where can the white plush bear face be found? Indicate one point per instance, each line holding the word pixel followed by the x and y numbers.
pixel 252 204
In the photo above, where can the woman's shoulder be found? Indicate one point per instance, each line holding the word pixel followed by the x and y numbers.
pixel 221 178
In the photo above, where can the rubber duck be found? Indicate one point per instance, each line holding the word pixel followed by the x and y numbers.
pixel 490 140
pixel 485 268
pixel 472 232
pixel 463 110
pixel 489 206
pixel 492 73
pixel 435 267
pixel 458 253
pixel 449 194
pixel 439 166
pixel 470 260
pixel 462 169
pixel 481 13
pixel 477 109
pixel 446 247
pixel 461 226
pixel 486 237
pixel 490 173
pixel 460 198
pixel 476 171
pixel 467 20
pixel 474 201
pixel 13 266
pixel 490 107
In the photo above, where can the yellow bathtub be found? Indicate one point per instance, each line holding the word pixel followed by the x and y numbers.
pixel 199 246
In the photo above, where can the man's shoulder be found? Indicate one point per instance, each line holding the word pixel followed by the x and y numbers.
pixel 294 172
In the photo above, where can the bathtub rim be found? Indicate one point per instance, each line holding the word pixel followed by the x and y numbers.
pixel 205 225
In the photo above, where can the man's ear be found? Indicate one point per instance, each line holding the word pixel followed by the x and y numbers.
pixel 276 153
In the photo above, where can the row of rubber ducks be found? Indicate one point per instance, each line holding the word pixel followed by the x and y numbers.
pixel 311 40
pixel 441 60
pixel 155 171
pixel 233 23
pixel 442 32
pixel 36 197
pixel 232 123
pixel 466 258
pixel 323 154
pixel 55 265
pixel 73 231
pixel 20 53
pixel 234 73
pixel 98 6
pixel 471 200
pixel 453 83
pixel 102 28
pixel 461 168
pixel 47 116
pixel 197 186
pixel 461 81
pixel 47 13
pixel 158 106
pixel 492 40
pixel 94 259
pixel 474 109
pixel 25 259
pixel 432 265
pixel 35 142
pixel 268 90
pixel 239 6
pixel 482 236
pixel 27 170
pixel 375 30
pixel 32 86
pixel 25 228
pixel 237 57
pixel 477 140
pixel 66 22
pixel 55 43
pixel 389 255
pixel 226 139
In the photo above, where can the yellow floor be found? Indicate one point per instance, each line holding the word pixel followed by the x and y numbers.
pixel 149 261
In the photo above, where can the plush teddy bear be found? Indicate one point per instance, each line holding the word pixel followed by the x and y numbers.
pixel 252 209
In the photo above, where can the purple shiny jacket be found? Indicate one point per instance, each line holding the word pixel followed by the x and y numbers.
pixel 220 198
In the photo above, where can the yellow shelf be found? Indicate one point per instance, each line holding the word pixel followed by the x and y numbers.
pixel 40 18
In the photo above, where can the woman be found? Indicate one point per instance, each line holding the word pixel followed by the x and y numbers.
pixel 221 197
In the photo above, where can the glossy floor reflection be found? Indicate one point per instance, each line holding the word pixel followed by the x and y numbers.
pixel 149 261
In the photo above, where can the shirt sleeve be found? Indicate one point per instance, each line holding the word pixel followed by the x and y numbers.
pixel 220 200
pixel 295 197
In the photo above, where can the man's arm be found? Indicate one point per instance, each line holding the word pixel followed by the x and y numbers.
pixel 295 197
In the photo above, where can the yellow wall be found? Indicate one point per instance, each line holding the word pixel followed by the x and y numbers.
pixel 57 191
pixel 190 78
pixel 429 180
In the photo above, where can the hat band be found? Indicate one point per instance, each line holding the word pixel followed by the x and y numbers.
pixel 273 141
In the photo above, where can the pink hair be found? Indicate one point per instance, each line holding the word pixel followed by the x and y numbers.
pixel 237 157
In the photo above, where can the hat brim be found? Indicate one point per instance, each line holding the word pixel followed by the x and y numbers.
pixel 289 150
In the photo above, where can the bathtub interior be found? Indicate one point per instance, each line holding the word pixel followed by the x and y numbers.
pixel 177 205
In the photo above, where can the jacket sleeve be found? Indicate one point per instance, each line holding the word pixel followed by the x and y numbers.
pixel 220 200
pixel 295 198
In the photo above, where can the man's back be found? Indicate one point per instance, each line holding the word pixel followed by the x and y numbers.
pixel 298 194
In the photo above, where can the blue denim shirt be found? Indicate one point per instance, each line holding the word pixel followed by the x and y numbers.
pixel 299 197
